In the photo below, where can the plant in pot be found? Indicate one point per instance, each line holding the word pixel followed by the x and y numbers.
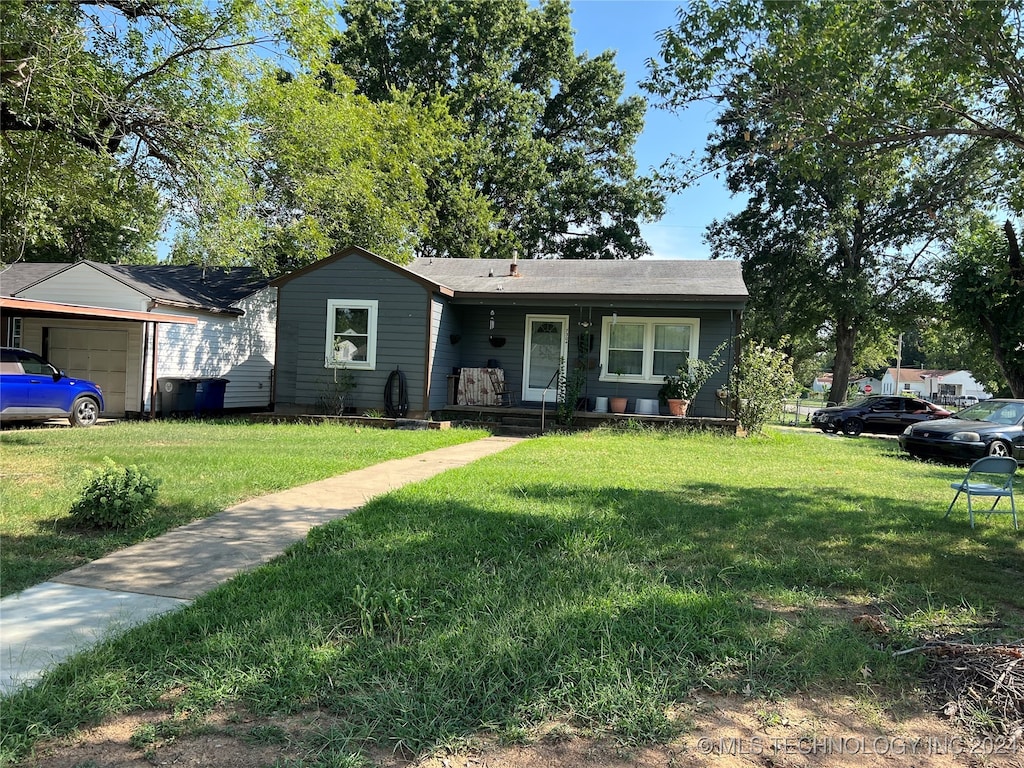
pixel 679 389
pixel 617 404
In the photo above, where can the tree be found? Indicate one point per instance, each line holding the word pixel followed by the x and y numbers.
pixel 866 74
pixel 548 136
pixel 836 237
pixel 130 106
pixel 985 292
pixel 936 341
pixel 329 169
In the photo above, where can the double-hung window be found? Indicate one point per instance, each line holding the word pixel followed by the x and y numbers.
pixel 646 349
pixel 351 334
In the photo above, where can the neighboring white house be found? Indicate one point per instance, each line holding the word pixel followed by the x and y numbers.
pixel 231 334
pixel 863 384
pixel 941 386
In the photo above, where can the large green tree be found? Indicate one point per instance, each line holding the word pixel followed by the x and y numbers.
pixel 114 113
pixel 985 293
pixel 329 168
pixel 548 135
pixel 837 238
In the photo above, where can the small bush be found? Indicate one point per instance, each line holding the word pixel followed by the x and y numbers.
pixel 760 382
pixel 116 496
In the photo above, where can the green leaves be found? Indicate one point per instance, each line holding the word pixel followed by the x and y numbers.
pixel 984 286
pixel 116 497
pixel 852 140
pixel 547 138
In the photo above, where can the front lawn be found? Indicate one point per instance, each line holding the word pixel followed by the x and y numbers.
pixel 205 467
pixel 595 580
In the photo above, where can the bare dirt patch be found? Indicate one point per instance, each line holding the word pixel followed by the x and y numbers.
pixel 718 732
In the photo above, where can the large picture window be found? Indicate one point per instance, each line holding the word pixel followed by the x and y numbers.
pixel 646 349
pixel 351 334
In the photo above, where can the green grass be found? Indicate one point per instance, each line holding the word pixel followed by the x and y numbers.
pixel 205 467
pixel 596 580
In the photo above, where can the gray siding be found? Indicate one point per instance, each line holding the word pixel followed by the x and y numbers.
pixel 403 323
pixel 475 348
pixel 444 326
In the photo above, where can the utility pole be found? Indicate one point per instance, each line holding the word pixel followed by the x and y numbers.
pixel 899 362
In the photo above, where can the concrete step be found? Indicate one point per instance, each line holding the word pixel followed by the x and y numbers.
pixel 505 430
pixel 523 421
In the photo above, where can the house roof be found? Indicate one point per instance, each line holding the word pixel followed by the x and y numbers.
pixel 644 278
pixel 917 375
pixel 211 289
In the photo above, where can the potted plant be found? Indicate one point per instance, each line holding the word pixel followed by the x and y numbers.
pixel 617 404
pixel 690 376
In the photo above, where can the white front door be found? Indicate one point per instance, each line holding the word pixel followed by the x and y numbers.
pixel 545 353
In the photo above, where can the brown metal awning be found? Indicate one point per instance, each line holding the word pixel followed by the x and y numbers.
pixel 33 308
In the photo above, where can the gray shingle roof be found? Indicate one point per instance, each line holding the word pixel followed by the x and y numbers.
pixel 652 278
pixel 19 276
pixel 212 289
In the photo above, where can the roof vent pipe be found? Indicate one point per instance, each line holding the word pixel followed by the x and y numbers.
pixel 513 268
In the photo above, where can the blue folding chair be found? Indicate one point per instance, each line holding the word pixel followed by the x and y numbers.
pixel 990 477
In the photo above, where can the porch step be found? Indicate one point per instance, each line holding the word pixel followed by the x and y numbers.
pixel 509 430
pixel 522 421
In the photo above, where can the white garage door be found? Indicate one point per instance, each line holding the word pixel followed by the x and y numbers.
pixel 101 356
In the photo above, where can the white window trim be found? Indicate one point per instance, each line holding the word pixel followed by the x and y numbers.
pixel 370 364
pixel 647 375
pixel 16 332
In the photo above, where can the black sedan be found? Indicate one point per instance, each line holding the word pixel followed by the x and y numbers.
pixel 876 413
pixel 990 428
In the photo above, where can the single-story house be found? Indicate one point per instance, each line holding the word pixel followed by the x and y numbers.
pixel 126 327
pixel 864 384
pixel 353 319
pixel 941 386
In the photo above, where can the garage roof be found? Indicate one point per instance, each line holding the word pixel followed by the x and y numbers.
pixel 34 308
pixel 189 286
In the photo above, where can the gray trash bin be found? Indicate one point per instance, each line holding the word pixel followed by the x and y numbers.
pixel 177 395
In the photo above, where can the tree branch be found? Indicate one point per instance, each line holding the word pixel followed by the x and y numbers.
pixel 132 9
pixel 910 136
pixel 9 121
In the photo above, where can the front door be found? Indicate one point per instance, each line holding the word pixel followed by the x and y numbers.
pixel 546 350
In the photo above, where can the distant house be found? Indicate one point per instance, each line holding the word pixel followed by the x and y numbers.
pixel 822 383
pixel 446 323
pixel 863 384
pixel 128 326
pixel 941 386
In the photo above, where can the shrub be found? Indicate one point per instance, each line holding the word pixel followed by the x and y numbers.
pixel 116 496
pixel 760 382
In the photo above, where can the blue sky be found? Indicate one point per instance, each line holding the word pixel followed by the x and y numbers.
pixel 629 28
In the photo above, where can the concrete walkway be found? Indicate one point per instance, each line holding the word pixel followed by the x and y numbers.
pixel 45 624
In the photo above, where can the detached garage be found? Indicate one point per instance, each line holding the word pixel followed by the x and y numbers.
pixel 128 326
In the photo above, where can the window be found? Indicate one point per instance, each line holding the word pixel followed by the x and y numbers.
pixel 646 349
pixel 14 332
pixel 351 334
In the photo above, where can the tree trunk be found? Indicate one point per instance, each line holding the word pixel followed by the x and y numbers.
pixel 1014 374
pixel 846 338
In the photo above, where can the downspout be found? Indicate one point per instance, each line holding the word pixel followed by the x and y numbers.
pixel 152 383
pixel 142 384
